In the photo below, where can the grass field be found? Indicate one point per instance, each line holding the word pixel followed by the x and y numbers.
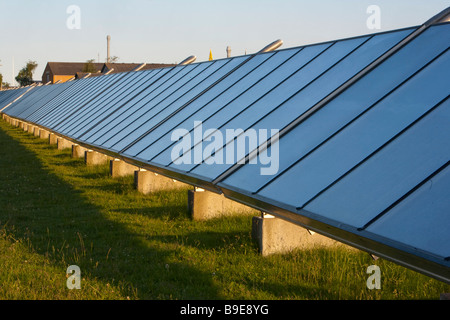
pixel 56 212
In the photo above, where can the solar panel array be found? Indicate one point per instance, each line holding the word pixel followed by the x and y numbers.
pixel 361 127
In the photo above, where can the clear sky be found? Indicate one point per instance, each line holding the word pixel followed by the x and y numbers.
pixel 167 31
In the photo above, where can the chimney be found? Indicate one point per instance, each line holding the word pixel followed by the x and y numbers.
pixel 108 40
pixel 228 52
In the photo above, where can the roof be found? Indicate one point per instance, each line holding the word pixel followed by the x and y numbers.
pixel 125 67
pixel 70 68
pixel 81 75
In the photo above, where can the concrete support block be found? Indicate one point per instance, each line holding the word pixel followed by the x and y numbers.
pixel 147 182
pixel 52 138
pixel 36 131
pixel 94 158
pixel 30 129
pixel 25 127
pixel 62 144
pixel 78 151
pixel 44 134
pixel 275 235
pixel 21 124
pixel 445 296
pixel 119 168
pixel 204 205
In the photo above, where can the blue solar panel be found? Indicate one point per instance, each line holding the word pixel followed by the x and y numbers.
pixel 40 98
pixel 9 96
pixel 127 122
pixel 150 112
pixel 103 103
pixel 391 172
pixel 193 108
pixel 71 106
pixel 322 124
pixel 423 217
pixel 314 82
pixel 362 137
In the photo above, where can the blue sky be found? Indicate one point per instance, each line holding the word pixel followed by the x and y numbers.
pixel 167 31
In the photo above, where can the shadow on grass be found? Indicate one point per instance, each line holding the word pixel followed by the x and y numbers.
pixel 58 222
pixel 167 212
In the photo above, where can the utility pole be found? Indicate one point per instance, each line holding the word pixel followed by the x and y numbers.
pixel 13 82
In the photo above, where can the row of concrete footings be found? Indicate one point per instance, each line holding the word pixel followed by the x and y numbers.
pixel 273 235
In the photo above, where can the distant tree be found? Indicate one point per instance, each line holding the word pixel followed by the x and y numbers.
pixel 25 76
pixel 89 66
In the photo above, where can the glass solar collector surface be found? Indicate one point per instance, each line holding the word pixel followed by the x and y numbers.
pixel 155 95
pixel 106 103
pixel 390 173
pixel 137 119
pixel 176 111
pixel 75 90
pixel 7 97
pixel 235 91
pixel 10 98
pixel 37 113
pixel 95 104
pixel 319 78
pixel 286 66
pixel 362 137
pixel 354 101
pixel 423 217
pixel 164 113
pixel 78 100
pixel 17 107
pixel 30 106
pixel 104 125
pixel 28 100
pixel 153 88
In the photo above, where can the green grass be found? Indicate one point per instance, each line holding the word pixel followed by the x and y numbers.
pixel 56 212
